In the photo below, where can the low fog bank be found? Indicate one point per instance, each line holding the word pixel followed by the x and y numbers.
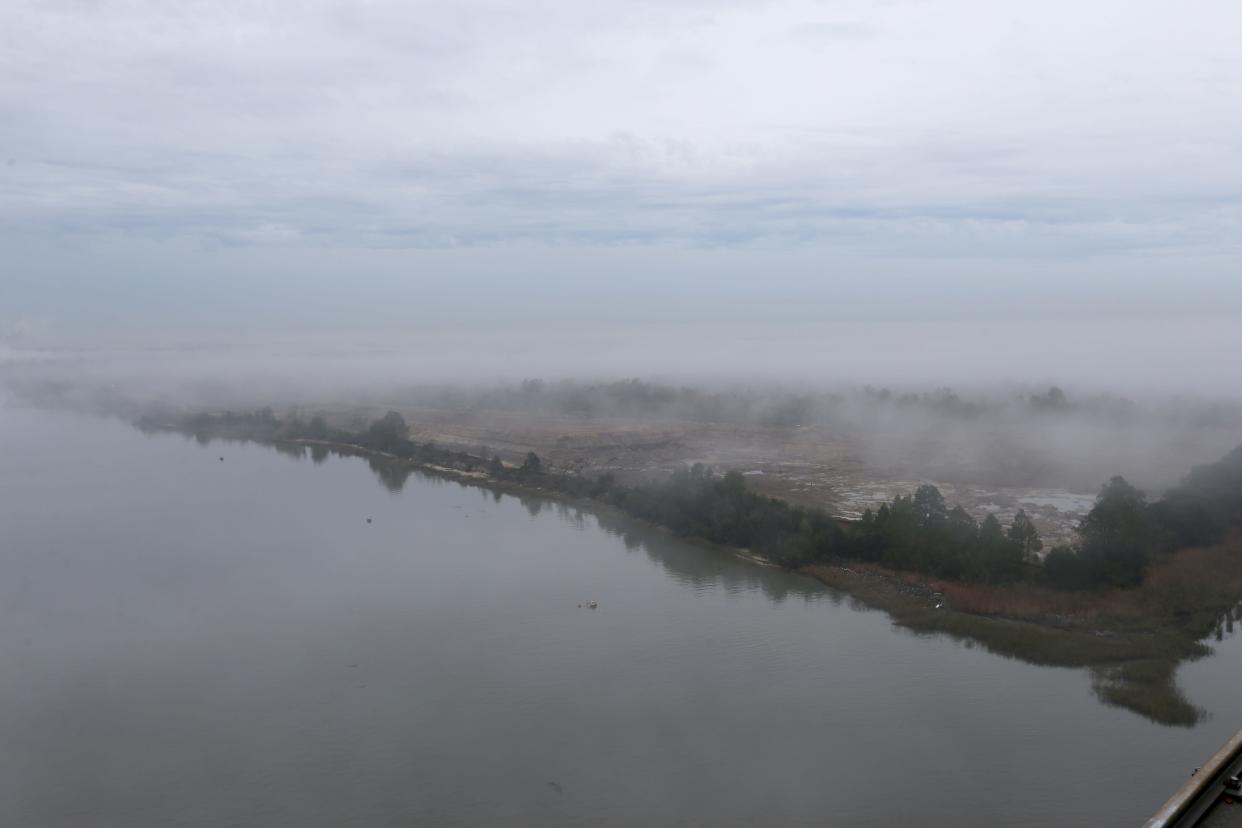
pixel 993 426
pixel 1007 435
pixel 1131 357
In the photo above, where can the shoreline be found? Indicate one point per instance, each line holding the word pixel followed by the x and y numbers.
pixel 1133 657
pixel 1133 663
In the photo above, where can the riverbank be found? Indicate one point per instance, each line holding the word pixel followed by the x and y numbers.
pixel 1132 640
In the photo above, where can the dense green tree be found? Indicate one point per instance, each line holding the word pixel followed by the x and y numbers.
pixel 963 532
pixel 532 464
pixel 1204 506
pixel 1064 569
pixel 929 504
pixel 1116 535
pixel 1023 532
pixel 997 557
pixel 388 433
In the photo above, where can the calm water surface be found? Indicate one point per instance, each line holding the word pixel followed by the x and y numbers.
pixel 190 642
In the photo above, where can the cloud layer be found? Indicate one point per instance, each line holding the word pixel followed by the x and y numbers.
pixel 932 128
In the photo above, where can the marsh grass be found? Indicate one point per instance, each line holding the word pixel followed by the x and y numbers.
pixel 1132 640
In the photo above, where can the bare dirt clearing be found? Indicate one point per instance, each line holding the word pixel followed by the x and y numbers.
pixel 810 465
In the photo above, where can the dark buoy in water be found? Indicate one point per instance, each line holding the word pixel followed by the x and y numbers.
pixel 221 459
pixel 368 520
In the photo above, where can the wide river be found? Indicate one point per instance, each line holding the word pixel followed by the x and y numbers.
pixel 194 642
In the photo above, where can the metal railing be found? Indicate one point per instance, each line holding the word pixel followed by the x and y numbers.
pixel 1216 782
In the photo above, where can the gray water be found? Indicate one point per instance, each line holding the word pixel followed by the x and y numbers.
pixel 190 642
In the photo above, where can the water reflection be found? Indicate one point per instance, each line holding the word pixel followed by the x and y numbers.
pixel 1145 687
pixel 687 562
pixel 391 474
pixel 416 673
pixel 297 451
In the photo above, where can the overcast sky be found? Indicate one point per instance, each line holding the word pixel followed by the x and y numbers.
pixel 185 164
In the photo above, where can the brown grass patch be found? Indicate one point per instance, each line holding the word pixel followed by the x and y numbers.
pixel 1032 603
pixel 1187 583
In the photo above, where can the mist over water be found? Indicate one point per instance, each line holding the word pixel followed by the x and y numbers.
pixel 1136 357
pixel 1146 399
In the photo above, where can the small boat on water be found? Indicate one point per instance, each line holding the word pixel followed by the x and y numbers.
pixel 1211 798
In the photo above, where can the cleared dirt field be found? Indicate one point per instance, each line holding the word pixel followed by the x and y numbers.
pixel 811 465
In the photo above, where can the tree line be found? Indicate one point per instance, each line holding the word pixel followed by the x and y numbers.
pixel 1119 538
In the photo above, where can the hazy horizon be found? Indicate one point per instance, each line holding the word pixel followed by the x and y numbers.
pixel 894 191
